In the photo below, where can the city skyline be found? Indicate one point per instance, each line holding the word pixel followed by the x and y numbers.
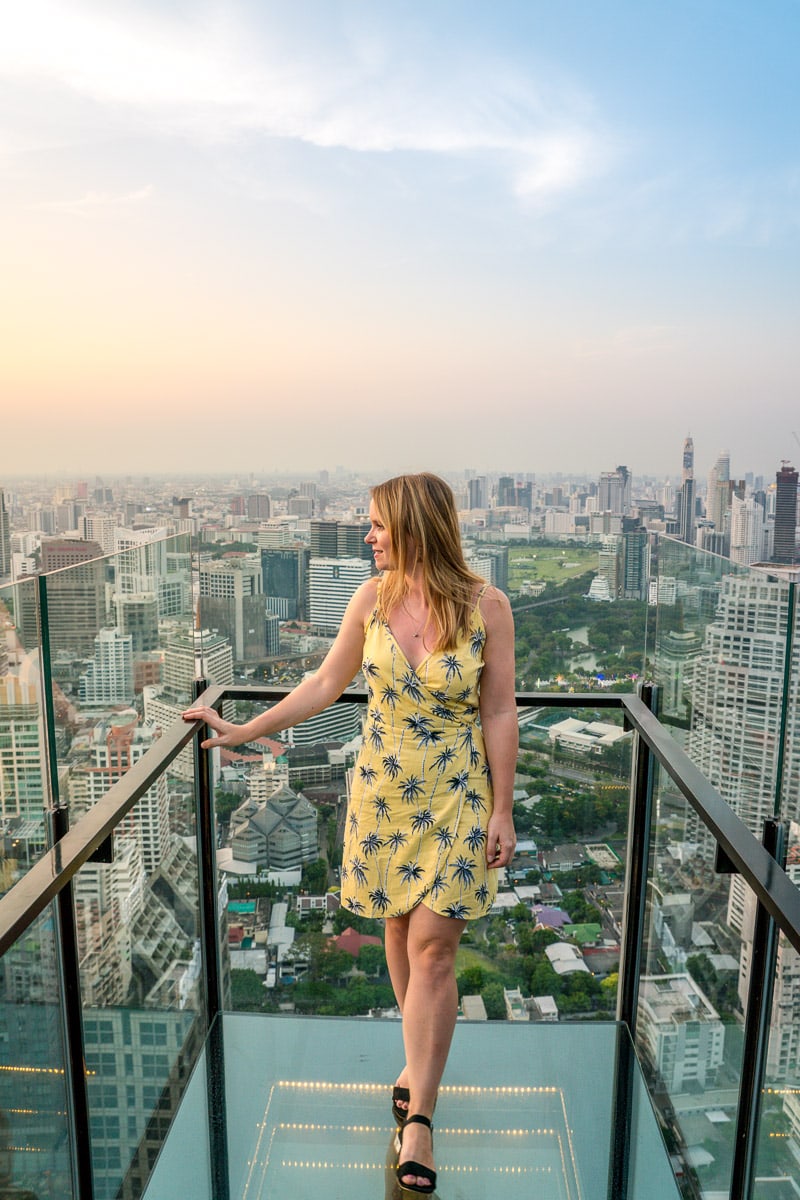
pixel 244 238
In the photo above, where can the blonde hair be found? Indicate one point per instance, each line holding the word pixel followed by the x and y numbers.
pixel 419 512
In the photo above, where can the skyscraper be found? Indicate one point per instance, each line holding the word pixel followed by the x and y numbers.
pixel 232 603
pixel 614 491
pixel 284 581
pixel 331 583
pixel 5 539
pixel 686 496
pixel 785 548
pixel 77 607
pixel 747 534
pixel 718 493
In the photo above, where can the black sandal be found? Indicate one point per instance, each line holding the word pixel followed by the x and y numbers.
pixel 414 1168
pixel 400 1093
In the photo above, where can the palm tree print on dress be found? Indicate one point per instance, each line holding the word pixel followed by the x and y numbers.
pixel 421 794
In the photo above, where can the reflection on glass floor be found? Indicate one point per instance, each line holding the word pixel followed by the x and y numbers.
pixel 525 1111
pixel 515 1137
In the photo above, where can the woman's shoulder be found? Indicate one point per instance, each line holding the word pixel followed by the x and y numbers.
pixel 366 597
pixel 492 604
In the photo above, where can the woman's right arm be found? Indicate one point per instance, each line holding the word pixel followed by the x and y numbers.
pixel 341 664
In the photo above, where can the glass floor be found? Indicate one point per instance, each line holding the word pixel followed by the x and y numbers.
pixel 555 1112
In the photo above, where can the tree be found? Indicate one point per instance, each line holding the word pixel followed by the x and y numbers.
pixel 315 877
pixel 247 991
pixel 494 1001
pixel 372 960
pixel 226 803
pixel 471 981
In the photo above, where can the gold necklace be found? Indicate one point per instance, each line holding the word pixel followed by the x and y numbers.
pixel 412 619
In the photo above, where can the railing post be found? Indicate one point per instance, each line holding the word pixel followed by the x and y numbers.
pixel 756 1030
pixel 66 941
pixel 622 1139
pixel 212 970
pixel 639 819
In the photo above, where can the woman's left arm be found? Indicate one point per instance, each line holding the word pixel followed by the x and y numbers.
pixel 498 709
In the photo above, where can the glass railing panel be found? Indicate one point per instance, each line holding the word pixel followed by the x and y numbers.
pixel 34 1132
pixel 778 1150
pixel 581 613
pixel 691 1000
pixel 24 784
pixel 721 662
pixel 290 945
pixel 122 660
pixel 142 985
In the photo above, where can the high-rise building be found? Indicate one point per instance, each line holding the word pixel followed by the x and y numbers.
pixel 22 785
pixel 284 574
pixel 636 569
pixel 100 528
pixel 747 531
pixel 259 507
pixel 108 678
pixel 738 676
pixel 5 539
pixel 686 496
pixel 323 539
pixel 300 506
pixel 614 491
pixel 331 584
pixel 350 540
pixel 505 491
pixel 77 598
pixel 478 491
pixel 188 656
pixel 491 563
pixel 137 616
pixel 233 604
pixel 785 544
pixel 513 494
pixel 718 492
pixel 115 747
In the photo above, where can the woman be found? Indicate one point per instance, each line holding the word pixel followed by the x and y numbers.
pixel 429 818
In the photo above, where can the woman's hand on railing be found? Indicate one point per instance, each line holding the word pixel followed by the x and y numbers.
pixel 228 734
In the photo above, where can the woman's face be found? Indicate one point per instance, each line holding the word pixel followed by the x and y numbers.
pixel 380 541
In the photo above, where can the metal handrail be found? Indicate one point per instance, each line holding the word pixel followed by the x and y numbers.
pixel 770 883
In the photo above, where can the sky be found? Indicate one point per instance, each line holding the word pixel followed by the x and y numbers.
pixel 526 237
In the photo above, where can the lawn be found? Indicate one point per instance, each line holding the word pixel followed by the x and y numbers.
pixel 466 958
pixel 548 564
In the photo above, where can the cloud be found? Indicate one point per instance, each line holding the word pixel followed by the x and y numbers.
pixel 94 202
pixel 217 78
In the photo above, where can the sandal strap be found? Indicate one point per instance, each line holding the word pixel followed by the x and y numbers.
pixel 418 1117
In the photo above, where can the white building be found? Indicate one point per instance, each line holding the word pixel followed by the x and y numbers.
pixel 737 702
pixel 108 679
pixel 114 748
pixel 557 523
pixel 748 531
pixel 565 958
pixel 22 784
pixel 586 737
pixel 331 584
pixel 680 1030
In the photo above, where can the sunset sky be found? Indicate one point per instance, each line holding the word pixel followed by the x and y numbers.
pixel 522 236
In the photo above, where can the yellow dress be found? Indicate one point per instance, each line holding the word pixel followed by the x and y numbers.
pixel 421 795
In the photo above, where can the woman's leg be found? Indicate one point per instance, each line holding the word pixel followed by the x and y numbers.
pixel 396 947
pixel 430 1008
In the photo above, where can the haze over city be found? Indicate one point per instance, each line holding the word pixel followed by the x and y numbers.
pixel 272 238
